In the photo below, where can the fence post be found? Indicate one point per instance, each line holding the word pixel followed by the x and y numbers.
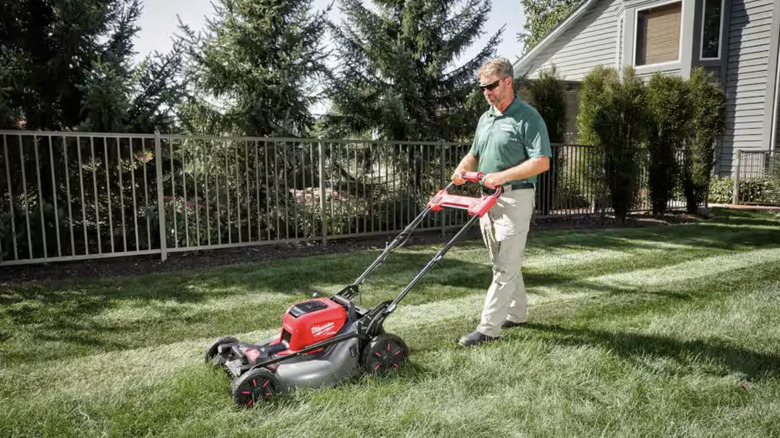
pixel 443 214
pixel 160 204
pixel 735 190
pixel 323 216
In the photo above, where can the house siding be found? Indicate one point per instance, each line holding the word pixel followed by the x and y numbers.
pixel 591 41
pixel 746 79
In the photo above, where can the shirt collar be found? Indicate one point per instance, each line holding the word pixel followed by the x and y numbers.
pixel 515 103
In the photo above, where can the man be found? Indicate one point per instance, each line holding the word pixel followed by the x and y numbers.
pixel 511 147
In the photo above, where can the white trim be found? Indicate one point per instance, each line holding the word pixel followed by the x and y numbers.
pixel 620 36
pixel 552 35
pixel 636 28
pixel 720 32
pixel 775 112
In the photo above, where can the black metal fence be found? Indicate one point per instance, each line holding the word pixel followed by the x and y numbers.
pixel 76 196
pixel 753 182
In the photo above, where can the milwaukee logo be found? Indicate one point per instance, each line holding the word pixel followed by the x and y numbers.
pixel 319 330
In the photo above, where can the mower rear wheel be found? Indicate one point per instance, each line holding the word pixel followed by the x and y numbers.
pixel 211 354
pixel 384 355
pixel 253 387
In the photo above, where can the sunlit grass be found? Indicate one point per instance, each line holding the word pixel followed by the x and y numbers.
pixel 671 330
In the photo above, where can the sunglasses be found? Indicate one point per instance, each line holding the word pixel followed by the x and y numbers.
pixel 491 86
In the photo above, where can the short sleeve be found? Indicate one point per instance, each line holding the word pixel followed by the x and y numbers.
pixel 536 138
pixel 476 147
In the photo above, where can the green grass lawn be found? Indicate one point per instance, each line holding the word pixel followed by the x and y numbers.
pixel 664 331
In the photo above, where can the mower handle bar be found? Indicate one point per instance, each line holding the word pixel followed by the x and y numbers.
pixel 401 239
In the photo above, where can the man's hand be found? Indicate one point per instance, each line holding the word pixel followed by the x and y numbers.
pixel 457 177
pixel 493 180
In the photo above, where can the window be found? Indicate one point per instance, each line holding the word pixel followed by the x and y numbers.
pixel 712 20
pixel 658 34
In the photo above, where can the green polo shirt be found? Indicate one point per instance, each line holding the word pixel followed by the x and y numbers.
pixel 506 140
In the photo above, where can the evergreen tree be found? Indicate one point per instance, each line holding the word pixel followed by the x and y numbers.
pixel 612 118
pixel 400 75
pixel 707 124
pixel 159 92
pixel 669 112
pixel 257 66
pixel 68 65
pixel 548 98
pixel 541 17
pixel 48 47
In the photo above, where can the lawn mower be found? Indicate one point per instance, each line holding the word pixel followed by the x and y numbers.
pixel 325 341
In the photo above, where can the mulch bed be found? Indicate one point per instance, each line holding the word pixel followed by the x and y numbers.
pixel 141 265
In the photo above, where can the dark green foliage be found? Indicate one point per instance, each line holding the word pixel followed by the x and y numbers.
pixel 400 77
pixel 773 178
pixel 668 111
pixel 721 190
pixel 541 17
pixel 755 191
pixel 707 125
pixel 548 99
pixel 47 50
pixel 260 59
pixel 612 118
pixel 68 65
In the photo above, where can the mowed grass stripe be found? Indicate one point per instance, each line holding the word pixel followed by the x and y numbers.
pixel 153 364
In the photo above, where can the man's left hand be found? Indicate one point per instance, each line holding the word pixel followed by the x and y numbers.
pixel 492 180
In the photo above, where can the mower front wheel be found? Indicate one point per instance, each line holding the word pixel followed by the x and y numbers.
pixel 212 356
pixel 384 354
pixel 255 386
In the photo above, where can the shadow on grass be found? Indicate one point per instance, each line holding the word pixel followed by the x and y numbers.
pixel 64 311
pixel 633 346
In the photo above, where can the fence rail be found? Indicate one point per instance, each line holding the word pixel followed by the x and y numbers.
pixel 751 177
pixel 78 196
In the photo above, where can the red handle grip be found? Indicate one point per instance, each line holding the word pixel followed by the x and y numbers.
pixel 473 176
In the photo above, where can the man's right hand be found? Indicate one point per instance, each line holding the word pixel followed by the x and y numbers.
pixel 457 177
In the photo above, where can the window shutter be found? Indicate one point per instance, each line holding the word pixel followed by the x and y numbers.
pixel 658 35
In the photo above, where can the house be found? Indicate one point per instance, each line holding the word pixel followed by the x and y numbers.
pixel 735 40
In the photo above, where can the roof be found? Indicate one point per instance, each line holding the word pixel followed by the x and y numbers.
pixel 522 63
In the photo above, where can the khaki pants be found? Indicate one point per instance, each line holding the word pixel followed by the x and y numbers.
pixel 505 229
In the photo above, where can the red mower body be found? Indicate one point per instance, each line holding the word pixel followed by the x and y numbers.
pixel 325 341
pixel 311 321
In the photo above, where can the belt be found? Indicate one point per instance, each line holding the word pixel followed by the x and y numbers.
pixel 510 187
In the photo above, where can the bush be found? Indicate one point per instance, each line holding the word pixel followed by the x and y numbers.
pixel 548 99
pixel 721 190
pixel 708 122
pixel 773 176
pixel 668 115
pixel 755 191
pixel 612 118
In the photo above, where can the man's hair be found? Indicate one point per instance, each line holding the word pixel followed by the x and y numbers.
pixel 496 66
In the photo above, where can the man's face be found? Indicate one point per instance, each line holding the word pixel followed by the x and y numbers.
pixel 494 88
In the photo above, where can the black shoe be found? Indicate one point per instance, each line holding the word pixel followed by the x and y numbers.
pixel 475 338
pixel 509 324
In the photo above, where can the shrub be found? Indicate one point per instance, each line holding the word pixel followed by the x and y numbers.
pixel 707 124
pixel 773 176
pixel 668 111
pixel 721 190
pixel 755 191
pixel 548 99
pixel 612 118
